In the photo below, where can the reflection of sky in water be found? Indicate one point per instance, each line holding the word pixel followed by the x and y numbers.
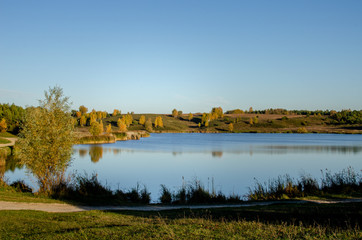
pixel 232 161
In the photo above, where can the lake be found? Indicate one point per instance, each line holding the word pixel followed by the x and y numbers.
pixel 229 163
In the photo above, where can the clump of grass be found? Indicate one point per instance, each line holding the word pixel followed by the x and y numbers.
pixel 88 190
pixel 135 195
pixel 346 182
pixel 195 193
pixel 20 186
pixel 166 195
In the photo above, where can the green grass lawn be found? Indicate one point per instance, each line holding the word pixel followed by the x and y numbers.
pixel 277 222
pixel 7 135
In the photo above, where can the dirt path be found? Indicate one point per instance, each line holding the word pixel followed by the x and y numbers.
pixel 59 207
pixel 12 142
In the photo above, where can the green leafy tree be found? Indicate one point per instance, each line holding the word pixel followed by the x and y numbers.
pixel 47 137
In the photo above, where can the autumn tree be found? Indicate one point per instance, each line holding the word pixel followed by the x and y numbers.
pixel 174 113
pixel 251 121
pixel 217 113
pixel 142 120
pixel 205 119
pixel 82 121
pixel 101 127
pixel 148 125
pixel 190 117
pixel 121 125
pixel 96 128
pixel 256 120
pixel 99 115
pixel 231 127
pixel 3 125
pixel 78 114
pixel 158 122
pixel 47 138
pixel 109 128
pixel 92 118
pixel 83 109
pixel 115 112
pixel 250 110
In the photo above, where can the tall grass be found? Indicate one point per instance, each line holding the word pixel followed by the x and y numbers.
pixel 346 182
pixel 87 189
pixel 195 193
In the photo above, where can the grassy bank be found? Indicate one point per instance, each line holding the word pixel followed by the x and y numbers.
pixel 274 222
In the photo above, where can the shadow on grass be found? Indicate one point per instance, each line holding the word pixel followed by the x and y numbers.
pixel 344 216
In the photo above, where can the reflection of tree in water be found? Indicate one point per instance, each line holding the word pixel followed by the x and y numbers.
pixel 96 153
pixel 217 154
pixel 116 151
pixel 83 152
pixel 13 163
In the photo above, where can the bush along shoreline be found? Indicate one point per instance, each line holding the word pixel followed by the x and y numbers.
pixel 86 189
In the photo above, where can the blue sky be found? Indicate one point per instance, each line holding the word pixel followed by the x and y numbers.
pixel 153 56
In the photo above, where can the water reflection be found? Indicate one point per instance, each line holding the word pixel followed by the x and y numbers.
pixel 9 164
pixel 96 152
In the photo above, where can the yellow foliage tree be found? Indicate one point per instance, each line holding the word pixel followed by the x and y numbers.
pixel 3 125
pixel 142 120
pixel 83 109
pixel 158 122
pixel 251 122
pixel 128 119
pixel 99 115
pixel 121 125
pixel 101 126
pixel 174 113
pixel 115 112
pixel 190 116
pixel 78 114
pixel 217 113
pixel 109 129
pixel 256 120
pixel 82 121
pixel 95 128
pixel 231 127
pixel 93 118
pixel 104 114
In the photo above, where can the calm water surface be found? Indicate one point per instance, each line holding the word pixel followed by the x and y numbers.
pixel 229 162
